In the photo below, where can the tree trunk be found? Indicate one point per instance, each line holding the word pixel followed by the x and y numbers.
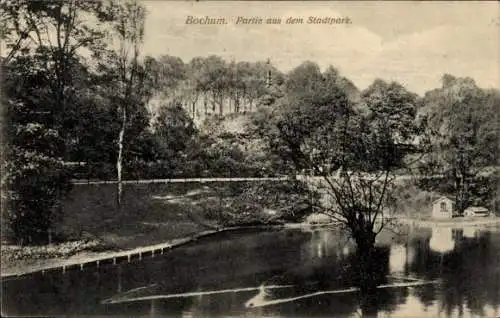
pixel 365 269
pixel 365 240
pixel 221 105
pixel 119 160
pixel 237 103
pixel 465 193
pixel 213 100
pixel 205 104
pixel 460 193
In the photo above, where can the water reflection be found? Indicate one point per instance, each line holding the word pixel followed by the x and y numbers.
pixel 398 258
pixel 469 232
pixel 469 274
pixel 324 245
pixel 119 274
pixel 289 273
pixel 442 240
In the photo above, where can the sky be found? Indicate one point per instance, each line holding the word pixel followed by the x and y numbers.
pixel 414 43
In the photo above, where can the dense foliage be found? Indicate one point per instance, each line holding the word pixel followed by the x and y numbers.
pixel 463 127
pixel 352 143
pixel 86 104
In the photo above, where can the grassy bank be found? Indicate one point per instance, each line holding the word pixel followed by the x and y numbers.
pixel 149 214
pixel 92 224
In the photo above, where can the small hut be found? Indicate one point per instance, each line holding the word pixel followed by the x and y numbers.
pixel 443 208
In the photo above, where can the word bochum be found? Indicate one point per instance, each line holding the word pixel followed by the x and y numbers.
pixel 205 20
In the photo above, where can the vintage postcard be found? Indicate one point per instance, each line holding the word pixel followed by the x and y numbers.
pixel 250 158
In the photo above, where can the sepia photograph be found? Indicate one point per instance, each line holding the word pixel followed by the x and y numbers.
pixel 223 159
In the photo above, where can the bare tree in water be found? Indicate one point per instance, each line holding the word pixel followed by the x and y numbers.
pixel 352 146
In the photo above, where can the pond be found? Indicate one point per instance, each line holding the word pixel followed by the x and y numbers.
pixel 445 272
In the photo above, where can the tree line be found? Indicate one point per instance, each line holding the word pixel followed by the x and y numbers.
pixel 82 101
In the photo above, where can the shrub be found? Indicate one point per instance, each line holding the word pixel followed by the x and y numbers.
pixel 35 183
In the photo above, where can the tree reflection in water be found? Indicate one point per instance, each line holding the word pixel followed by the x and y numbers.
pixel 319 274
pixel 361 281
pixel 469 272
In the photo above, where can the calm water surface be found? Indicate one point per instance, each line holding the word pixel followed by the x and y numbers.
pixel 440 272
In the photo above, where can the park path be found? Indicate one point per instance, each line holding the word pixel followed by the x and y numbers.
pixel 319 179
pixel 180 180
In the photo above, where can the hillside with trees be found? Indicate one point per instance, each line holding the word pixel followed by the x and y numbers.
pixel 83 102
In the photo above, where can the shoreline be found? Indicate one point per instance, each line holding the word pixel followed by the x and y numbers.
pixel 462 222
pixel 86 259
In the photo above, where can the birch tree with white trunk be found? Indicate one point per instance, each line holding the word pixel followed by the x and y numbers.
pixel 128 32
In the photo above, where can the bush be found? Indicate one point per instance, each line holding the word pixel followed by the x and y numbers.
pixel 35 184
